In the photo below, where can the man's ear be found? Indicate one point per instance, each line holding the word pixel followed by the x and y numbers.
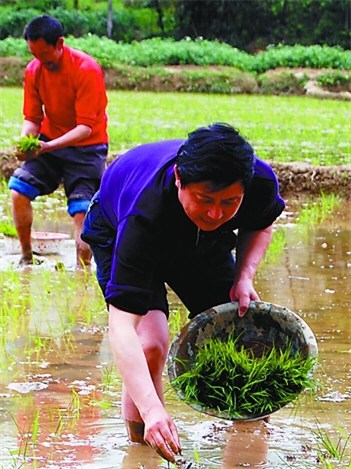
pixel 59 43
pixel 177 178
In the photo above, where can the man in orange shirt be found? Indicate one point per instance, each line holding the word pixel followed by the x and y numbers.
pixel 65 105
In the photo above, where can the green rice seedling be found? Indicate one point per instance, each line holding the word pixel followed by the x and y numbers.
pixel 110 378
pixel 316 212
pixel 313 213
pixel 35 428
pixel 177 319
pixel 327 448
pixel 8 229
pixel 74 407
pixel 13 464
pixel 230 379
pixel 27 436
pixel 56 420
pixel 196 456
pixel 275 249
pixel 28 143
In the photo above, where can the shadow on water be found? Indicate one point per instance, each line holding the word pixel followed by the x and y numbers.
pixel 60 394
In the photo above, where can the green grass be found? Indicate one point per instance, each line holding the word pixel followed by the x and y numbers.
pixel 280 128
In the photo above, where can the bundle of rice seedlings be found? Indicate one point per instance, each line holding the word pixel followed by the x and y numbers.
pixel 28 143
pixel 233 381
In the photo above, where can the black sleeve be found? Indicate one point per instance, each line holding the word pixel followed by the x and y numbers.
pixel 261 206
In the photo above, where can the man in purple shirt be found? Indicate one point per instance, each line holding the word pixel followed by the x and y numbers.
pixel 172 213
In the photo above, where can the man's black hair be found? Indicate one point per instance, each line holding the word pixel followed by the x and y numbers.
pixel 217 153
pixel 44 27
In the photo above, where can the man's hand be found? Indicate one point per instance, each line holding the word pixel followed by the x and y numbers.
pixel 250 250
pixel 29 147
pixel 160 431
pixel 161 434
pixel 243 292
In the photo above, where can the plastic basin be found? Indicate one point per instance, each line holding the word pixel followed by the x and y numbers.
pixel 43 242
pixel 264 325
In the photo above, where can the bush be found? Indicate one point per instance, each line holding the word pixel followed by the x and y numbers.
pixel 284 82
pixel 159 51
pixel 12 47
pixel 335 81
pixel 74 22
pixel 12 23
pixel 302 56
pixel 228 81
pixel 218 81
pixel 11 71
pixel 128 24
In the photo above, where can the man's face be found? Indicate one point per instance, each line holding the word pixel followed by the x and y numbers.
pixel 49 56
pixel 206 208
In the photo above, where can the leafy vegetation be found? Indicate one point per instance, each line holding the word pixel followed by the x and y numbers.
pixel 285 82
pixel 335 80
pixel 233 381
pixel 128 24
pixel 199 52
pixel 254 24
pixel 249 25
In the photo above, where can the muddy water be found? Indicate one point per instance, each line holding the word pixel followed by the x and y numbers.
pixel 60 396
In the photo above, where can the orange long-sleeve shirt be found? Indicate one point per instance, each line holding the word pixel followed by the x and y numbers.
pixel 60 100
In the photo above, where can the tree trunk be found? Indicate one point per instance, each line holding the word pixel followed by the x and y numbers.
pixel 109 19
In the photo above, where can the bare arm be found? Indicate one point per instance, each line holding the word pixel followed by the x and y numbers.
pixel 250 250
pixel 70 138
pixel 29 127
pixel 160 431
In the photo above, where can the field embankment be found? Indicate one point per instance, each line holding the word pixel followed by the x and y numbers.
pixel 320 83
pixel 294 178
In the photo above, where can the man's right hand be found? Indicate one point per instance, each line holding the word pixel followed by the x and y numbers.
pixel 25 155
pixel 161 434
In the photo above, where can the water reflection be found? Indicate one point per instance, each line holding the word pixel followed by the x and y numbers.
pixel 59 395
pixel 246 445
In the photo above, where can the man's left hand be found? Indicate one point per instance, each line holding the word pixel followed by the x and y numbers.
pixel 243 292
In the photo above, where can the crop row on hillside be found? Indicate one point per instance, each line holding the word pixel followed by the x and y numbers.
pixel 195 52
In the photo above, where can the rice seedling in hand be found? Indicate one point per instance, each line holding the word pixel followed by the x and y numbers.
pixel 26 147
pixel 232 380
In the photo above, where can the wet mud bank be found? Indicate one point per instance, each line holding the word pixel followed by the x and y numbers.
pixel 302 178
pixel 294 178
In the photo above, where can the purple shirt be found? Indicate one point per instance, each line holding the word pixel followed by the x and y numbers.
pixel 139 202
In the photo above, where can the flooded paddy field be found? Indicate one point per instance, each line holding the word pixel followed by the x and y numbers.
pixel 60 393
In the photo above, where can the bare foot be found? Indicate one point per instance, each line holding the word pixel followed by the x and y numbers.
pixel 29 260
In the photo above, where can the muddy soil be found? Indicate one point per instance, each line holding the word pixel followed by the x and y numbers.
pixel 294 178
